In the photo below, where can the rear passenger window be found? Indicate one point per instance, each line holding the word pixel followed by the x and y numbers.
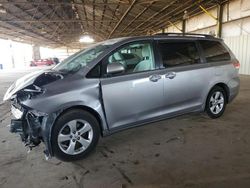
pixel 214 51
pixel 178 54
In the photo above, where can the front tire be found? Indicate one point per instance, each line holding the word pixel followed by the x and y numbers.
pixel 216 102
pixel 74 135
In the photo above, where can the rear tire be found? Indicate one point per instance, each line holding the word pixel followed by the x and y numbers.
pixel 74 135
pixel 216 102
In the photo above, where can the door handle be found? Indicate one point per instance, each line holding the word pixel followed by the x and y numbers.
pixel 170 75
pixel 154 78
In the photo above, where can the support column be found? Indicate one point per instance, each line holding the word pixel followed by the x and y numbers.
pixel 219 20
pixel 36 52
pixel 12 54
pixel 184 26
pixel 163 30
pixel 184 21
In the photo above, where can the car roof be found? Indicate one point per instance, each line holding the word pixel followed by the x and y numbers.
pixel 177 36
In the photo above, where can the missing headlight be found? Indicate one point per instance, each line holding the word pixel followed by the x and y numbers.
pixel 29 92
pixel 33 89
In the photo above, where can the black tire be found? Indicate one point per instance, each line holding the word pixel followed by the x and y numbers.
pixel 211 113
pixel 64 119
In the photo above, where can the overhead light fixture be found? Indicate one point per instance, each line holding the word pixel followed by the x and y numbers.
pixel 86 39
pixel 18 39
pixel 185 16
pixel 2 9
pixel 43 31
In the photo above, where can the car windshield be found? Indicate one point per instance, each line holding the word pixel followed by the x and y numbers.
pixel 84 57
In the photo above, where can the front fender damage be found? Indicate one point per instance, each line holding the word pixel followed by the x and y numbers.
pixel 36 107
pixel 32 125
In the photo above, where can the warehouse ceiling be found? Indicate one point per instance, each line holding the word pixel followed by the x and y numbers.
pixel 61 23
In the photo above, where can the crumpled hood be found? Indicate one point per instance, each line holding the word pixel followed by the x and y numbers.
pixel 29 79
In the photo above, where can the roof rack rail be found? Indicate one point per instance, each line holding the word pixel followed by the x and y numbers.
pixel 187 34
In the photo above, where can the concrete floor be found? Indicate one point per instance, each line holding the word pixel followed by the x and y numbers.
pixel 188 151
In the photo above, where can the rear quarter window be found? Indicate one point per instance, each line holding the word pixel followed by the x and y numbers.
pixel 214 51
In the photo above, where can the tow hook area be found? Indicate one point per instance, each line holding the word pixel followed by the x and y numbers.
pixel 16 126
pixel 29 130
pixel 34 130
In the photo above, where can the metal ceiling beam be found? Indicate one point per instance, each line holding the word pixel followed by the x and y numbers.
pixel 123 16
pixel 103 12
pixel 59 17
pixel 162 24
pixel 94 16
pixel 163 19
pixel 64 3
pixel 24 31
pixel 112 18
pixel 85 12
pixel 154 15
pixel 67 21
pixel 55 28
pixel 138 15
pixel 32 17
pixel 90 3
pixel 4 33
pixel 84 29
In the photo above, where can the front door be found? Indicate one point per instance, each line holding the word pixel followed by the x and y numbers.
pixel 137 93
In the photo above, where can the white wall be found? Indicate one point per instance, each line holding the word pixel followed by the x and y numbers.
pixel 235 29
pixel 14 52
pixel 19 55
pixel 240 45
pixel 236 20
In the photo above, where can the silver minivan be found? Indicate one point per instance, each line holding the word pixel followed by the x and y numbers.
pixel 119 84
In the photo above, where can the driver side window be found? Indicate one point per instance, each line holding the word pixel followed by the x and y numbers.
pixel 136 57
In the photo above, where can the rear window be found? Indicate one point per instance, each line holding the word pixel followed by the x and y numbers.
pixel 176 54
pixel 214 51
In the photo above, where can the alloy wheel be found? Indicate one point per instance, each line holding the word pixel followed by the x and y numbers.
pixel 216 102
pixel 75 137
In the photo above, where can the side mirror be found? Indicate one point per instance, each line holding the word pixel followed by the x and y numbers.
pixel 115 68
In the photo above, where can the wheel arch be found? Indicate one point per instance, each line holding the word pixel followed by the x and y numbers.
pixel 223 86
pixel 85 108
pixel 48 126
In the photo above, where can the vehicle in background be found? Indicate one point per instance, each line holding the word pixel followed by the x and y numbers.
pixel 42 62
pixel 56 60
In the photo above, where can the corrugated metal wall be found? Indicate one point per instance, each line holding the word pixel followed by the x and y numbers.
pixel 240 46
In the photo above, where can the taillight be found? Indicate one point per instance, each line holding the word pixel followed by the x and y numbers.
pixel 236 64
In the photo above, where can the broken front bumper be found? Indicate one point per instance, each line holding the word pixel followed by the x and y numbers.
pixel 34 127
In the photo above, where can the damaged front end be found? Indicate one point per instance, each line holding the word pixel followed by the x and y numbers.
pixel 28 125
pixel 32 125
